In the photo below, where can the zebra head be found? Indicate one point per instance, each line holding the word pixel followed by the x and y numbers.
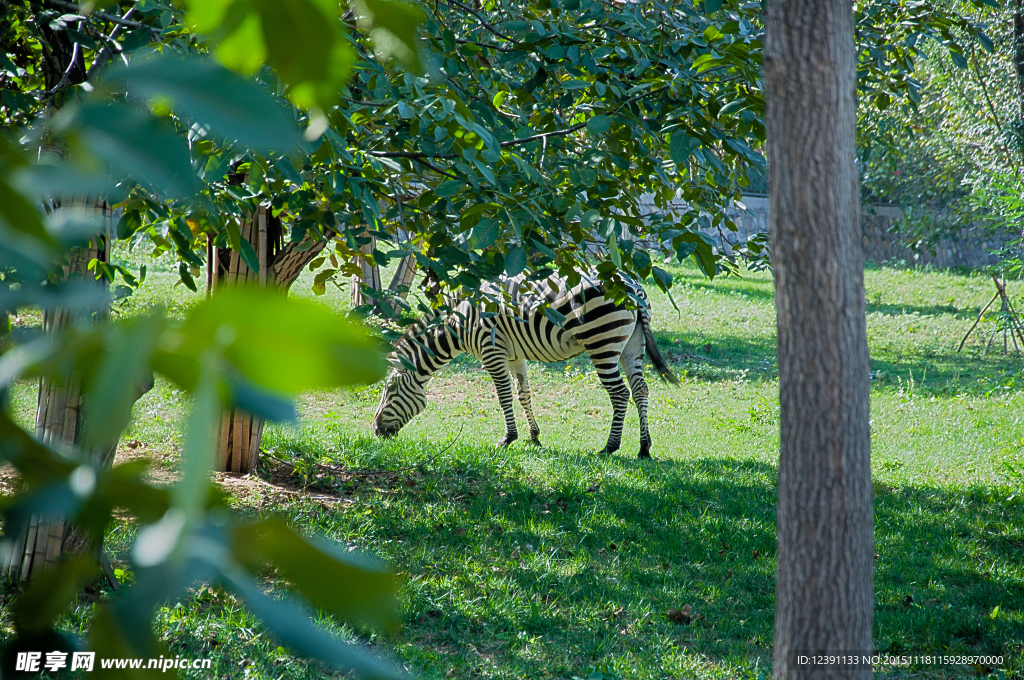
pixel 401 400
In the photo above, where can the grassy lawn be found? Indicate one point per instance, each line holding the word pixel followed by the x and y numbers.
pixel 555 562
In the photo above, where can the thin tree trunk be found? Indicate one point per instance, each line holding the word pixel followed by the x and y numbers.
pixel 824 588
pixel 1018 52
pixel 369 277
pixel 402 280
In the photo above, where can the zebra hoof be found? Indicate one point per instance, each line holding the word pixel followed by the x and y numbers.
pixel 644 455
pixel 609 449
pixel 535 441
pixel 505 442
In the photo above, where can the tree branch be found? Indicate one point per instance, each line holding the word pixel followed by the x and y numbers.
pixel 435 168
pixel 417 155
pixel 490 46
pixel 482 21
pixel 112 18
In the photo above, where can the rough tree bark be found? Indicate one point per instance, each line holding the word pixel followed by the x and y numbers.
pixel 279 265
pixel 58 424
pixel 824 589
pixel 369 276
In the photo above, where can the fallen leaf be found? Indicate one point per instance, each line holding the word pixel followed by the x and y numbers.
pixel 134 444
pixel 756 553
pixel 666 566
pixel 721 552
pixel 515 554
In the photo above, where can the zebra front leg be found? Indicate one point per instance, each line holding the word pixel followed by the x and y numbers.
pixel 496 363
pixel 518 368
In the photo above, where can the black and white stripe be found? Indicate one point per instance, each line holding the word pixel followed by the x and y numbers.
pixel 611 334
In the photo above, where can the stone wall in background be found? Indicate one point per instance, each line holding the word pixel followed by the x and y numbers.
pixel 880 245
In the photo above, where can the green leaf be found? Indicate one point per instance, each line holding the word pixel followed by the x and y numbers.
pixel 986 42
pixel 291 625
pixel 554 316
pixel 283 345
pixel 134 143
pixel 243 50
pixel 198 455
pixel 259 402
pixel 248 254
pixel 305 47
pixel 485 171
pixel 679 148
pixel 484 233
pixel 285 167
pixel 476 210
pixel 450 188
pixel 663 278
pixel 712 6
pixel 685 250
pixel 575 85
pixel 395 25
pixel 641 262
pixel 515 261
pixel 599 125
pixel 122 372
pixel 205 92
pixel 17 214
pixel 138 38
pixel 613 253
pixel 51 591
pixel 344 584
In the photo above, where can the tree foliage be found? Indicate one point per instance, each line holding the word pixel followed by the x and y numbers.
pixel 935 151
pixel 115 133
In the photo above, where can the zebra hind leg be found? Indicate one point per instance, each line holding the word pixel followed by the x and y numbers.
pixel 632 360
pixel 518 368
pixel 497 365
pixel 611 379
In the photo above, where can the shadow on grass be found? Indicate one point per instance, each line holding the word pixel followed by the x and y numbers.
pixel 541 563
pixel 921 310
pixel 721 357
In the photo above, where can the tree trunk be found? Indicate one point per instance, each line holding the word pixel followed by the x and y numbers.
pixel 824 588
pixel 403 278
pixel 57 424
pixel 1018 53
pixel 279 265
pixel 369 277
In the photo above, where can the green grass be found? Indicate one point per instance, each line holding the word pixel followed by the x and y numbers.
pixel 555 562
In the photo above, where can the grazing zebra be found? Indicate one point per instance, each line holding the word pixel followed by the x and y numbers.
pixel 609 333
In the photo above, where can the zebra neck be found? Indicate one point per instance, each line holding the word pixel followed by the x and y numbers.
pixel 432 351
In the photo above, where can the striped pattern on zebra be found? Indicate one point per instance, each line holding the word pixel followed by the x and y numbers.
pixel 609 333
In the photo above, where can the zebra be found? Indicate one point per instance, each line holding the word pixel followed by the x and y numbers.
pixel 610 333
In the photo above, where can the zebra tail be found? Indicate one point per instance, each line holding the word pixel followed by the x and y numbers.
pixel 660 365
